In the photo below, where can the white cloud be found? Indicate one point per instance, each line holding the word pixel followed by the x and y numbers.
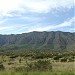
pixel 51 27
pixel 26 28
pixel 3 20
pixel 47 5
pixel 8 6
pixel 8 28
pixel 4 28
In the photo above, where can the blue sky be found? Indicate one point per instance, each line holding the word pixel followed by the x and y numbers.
pixel 22 16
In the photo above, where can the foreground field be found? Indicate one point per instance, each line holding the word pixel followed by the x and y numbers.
pixel 38 64
pixel 36 73
pixel 12 63
pixel 58 68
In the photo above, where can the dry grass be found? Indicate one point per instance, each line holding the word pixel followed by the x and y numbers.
pixel 64 66
pixel 57 66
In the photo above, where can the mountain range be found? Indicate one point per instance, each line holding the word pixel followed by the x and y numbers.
pixel 39 40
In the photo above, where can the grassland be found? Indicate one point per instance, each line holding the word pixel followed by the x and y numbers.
pixel 58 68
pixel 36 73
pixel 38 64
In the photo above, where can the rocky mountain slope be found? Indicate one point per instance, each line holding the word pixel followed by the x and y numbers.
pixel 41 40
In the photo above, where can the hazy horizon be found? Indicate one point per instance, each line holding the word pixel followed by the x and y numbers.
pixel 36 31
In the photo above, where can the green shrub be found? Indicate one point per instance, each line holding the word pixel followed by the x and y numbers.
pixel 71 60
pixel 57 57
pixel 10 63
pixel 21 68
pixel 2 67
pixel 64 60
pixel 19 60
pixel 41 65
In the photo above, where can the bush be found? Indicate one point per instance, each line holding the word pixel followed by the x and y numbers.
pixel 36 66
pixel 21 68
pixel 64 60
pixel 10 63
pixel 57 57
pixel 40 65
pixel 71 60
pixel 19 60
pixel 2 67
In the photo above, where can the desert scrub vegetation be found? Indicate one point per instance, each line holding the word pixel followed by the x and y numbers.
pixel 37 63
pixel 40 65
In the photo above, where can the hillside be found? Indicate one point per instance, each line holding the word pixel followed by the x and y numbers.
pixel 39 40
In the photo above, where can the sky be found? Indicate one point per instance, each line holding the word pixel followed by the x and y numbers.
pixel 22 16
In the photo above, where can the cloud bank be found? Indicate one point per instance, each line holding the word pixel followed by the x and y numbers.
pixel 39 6
pixel 19 16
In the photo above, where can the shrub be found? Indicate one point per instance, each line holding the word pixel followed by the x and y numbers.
pixel 64 60
pixel 19 60
pixel 21 68
pixel 2 67
pixel 41 65
pixel 10 63
pixel 13 56
pixel 71 60
pixel 57 57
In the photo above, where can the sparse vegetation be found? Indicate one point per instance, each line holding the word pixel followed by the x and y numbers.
pixel 59 63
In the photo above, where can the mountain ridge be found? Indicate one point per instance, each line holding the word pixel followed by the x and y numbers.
pixel 54 40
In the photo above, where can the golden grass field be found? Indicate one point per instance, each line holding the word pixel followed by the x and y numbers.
pixel 58 68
